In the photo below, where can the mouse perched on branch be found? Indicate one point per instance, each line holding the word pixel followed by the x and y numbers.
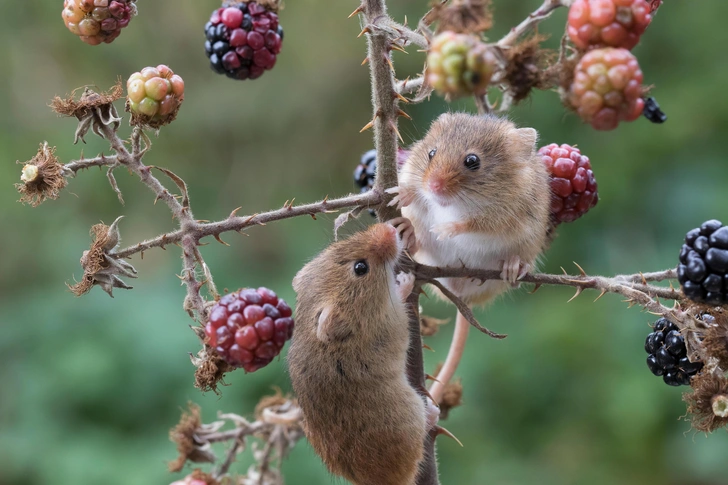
pixel 347 361
pixel 477 195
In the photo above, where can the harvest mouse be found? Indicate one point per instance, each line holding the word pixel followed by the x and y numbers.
pixel 347 361
pixel 477 195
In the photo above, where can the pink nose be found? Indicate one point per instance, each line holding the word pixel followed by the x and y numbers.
pixel 435 186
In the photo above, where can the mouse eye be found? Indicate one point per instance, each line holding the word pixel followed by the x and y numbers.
pixel 472 162
pixel 361 267
pixel 432 153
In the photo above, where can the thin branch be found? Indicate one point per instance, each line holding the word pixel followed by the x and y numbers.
pixel 530 23
pixel 409 85
pixel 72 168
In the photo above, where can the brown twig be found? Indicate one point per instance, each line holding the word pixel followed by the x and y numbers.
pixel 530 23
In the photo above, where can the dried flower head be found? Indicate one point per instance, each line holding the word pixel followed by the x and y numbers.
pixel 462 16
pixel 452 395
pixel 42 177
pixel 708 403
pixel 183 435
pixel 527 68
pixel 715 338
pixel 211 369
pixel 93 110
pixel 99 265
pixel 429 325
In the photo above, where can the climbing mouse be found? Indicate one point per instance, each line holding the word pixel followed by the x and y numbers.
pixel 347 361
pixel 478 195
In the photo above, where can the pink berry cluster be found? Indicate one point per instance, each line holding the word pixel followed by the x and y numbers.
pixel 607 82
pixel 154 96
pixel 573 186
pixel 249 328
pixel 243 40
pixel 97 21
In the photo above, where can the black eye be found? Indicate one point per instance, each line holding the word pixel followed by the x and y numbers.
pixel 361 267
pixel 432 153
pixel 472 162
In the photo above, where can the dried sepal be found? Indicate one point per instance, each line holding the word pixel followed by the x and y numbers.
pixel 708 403
pixel 527 67
pixel 93 110
pixel 462 16
pixel 211 368
pixel 430 325
pixel 99 265
pixel 452 395
pixel 41 177
pixel 184 436
pixel 715 339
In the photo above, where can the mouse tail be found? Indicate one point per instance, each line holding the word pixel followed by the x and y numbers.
pixel 454 355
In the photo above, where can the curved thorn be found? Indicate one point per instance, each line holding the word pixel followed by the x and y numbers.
pixel 581 270
pixel 358 10
pixel 365 30
pixel 440 430
pixel 402 113
pixel 428 376
pixel 425 346
pixel 217 237
pixel 604 292
pixel 578 292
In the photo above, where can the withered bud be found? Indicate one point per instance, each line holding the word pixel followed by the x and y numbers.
pixel 528 68
pixel 429 325
pixel 452 395
pixel 42 177
pixel 183 435
pixel 211 369
pixel 99 265
pixel 461 16
pixel 715 338
pixel 93 110
pixel 708 403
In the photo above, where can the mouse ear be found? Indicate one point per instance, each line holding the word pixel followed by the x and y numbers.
pixel 330 327
pixel 524 141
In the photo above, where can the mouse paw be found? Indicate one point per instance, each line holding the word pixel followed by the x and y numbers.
pixel 405 284
pixel 402 196
pixel 407 233
pixel 514 269
pixel 448 230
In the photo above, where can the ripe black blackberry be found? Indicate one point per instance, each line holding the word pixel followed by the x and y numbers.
pixel 704 263
pixel 365 172
pixel 668 354
pixel 243 39
pixel 653 112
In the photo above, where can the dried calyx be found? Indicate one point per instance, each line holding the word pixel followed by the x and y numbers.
pixel 462 16
pixel 42 177
pixel 99 265
pixel 708 403
pixel 93 110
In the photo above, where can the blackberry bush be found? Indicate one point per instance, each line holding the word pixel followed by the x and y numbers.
pixel 704 263
pixel 249 328
pixel 98 21
pixel 573 186
pixel 668 354
pixel 243 40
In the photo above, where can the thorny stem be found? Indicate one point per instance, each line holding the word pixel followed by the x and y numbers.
pixel 530 23
pixel 72 168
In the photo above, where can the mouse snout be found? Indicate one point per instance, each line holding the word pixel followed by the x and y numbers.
pixel 436 186
pixel 384 242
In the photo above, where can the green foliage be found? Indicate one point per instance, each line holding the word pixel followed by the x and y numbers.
pixel 92 385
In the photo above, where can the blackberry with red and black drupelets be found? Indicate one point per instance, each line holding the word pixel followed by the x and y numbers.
pixel 704 263
pixel 248 328
pixel 668 354
pixel 243 40
pixel 573 186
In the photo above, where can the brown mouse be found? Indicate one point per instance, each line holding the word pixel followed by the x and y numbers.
pixel 477 194
pixel 347 361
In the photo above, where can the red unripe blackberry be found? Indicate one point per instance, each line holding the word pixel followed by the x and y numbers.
pixel 573 186
pixel 98 21
pixel 704 263
pixel 154 96
pixel 608 23
pixel 249 328
pixel 243 39
pixel 607 88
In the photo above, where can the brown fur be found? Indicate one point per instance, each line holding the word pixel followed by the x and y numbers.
pixel 360 414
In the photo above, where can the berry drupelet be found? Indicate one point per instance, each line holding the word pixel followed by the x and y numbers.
pixel 668 354
pixel 704 263
pixel 573 186
pixel 243 40
pixel 97 21
pixel 249 328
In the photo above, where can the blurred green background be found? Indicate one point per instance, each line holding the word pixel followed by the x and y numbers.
pixel 91 385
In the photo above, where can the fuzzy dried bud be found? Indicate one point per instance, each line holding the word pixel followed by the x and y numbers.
pixel 452 395
pixel 42 177
pixel 528 68
pixel 99 265
pixel 708 403
pixel 715 338
pixel 183 435
pixel 93 110
pixel 462 16
pixel 211 369
pixel 429 325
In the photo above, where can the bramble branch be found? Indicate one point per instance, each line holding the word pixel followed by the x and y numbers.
pixel 530 23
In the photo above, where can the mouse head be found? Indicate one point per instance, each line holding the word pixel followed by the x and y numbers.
pixel 465 157
pixel 348 284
